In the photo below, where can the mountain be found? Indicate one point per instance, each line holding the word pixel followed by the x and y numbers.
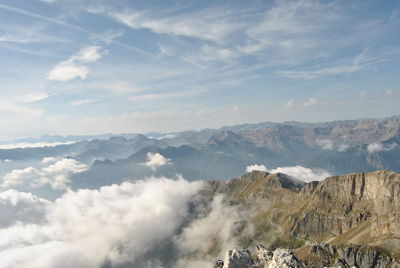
pixel 337 147
pixel 352 216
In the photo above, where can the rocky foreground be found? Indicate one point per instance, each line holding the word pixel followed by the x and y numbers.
pixel 318 255
pixel 343 221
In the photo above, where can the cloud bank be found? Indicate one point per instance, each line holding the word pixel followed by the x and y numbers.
pixel 115 225
pixel 56 173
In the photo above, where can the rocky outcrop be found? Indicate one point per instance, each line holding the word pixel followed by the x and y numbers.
pixel 318 255
pixel 348 210
pixel 280 258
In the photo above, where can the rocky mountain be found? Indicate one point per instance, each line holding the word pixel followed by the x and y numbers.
pixel 314 255
pixel 342 221
pixel 338 147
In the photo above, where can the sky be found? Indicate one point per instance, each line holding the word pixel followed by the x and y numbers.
pixel 108 66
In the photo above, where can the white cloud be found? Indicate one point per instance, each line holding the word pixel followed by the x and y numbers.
pixel 302 173
pixel 156 160
pixel 66 71
pixel 56 174
pixel 116 224
pixel 80 102
pixel 20 207
pixel 256 167
pixel 389 92
pixel 48 160
pixel 379 147
pixel 296 172
pixel 310 102
pixel 87 54
pixel 36 96
pixel 73 67
pixel 325 144
pixel 18 176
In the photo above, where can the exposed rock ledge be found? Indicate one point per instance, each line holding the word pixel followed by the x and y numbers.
pixel 317 255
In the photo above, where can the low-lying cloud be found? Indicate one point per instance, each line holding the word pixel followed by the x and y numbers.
pixel 156 160
pixel 56 173
pixel 32 144
pixel 303 173
pixel 20 207
pixel 115 225
pixel 379 147
pixel 218 227
pixel 297 172
pixel 328 144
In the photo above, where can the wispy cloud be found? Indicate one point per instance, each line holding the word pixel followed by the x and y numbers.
pixel 35 96
pixel 42 17
pixel 345 66
pixel 219 24
pixel 80 102
pixel 155 96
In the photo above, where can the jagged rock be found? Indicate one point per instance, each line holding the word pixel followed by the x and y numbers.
pixel 238 259
pixel 280 258
pixel 323 255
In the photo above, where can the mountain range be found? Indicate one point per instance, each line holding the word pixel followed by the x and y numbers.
pixel 337 147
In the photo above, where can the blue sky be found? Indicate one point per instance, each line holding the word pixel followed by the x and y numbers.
pixel 88 67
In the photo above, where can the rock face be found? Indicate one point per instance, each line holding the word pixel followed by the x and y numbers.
pixel 349 256
pixel 238 259
pixel 340 203
pixel 319 255
pixel 280 258
pixel 359 208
